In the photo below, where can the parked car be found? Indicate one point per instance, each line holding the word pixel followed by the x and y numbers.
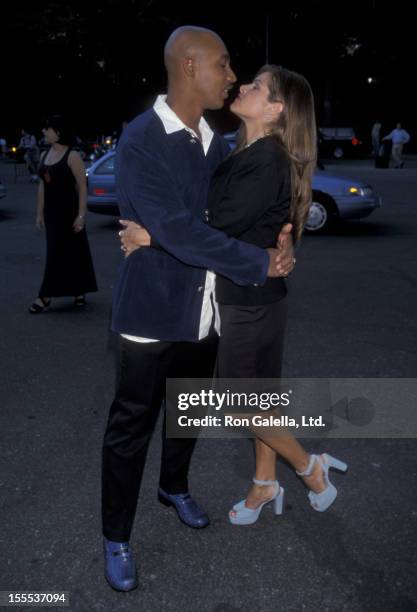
pixel 101 186
pixel 339 142
pixel 338 198
pixel 334 197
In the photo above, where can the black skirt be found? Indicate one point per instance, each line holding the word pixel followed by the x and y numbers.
pixel 251 343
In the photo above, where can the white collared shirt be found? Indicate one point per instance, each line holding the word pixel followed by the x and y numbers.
pixel 172 123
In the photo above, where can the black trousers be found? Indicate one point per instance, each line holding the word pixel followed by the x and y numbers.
pixel 143 369
pixel 251 343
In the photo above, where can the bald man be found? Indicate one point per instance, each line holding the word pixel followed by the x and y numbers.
pixel 164 309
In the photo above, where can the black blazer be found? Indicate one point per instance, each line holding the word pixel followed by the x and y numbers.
pixel 249 199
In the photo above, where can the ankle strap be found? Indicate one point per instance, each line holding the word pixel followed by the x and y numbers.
pixel 309 469
pixel 264 483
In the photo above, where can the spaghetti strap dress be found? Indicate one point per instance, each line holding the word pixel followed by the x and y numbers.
pixel 69 267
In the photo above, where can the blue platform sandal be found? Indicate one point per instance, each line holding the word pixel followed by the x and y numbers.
pixel 322 501
pixel 247 516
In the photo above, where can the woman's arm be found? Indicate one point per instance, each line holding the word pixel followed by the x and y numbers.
pixel 40 203
pixel 78 169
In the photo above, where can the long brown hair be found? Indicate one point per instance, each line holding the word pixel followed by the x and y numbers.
pixel 295 130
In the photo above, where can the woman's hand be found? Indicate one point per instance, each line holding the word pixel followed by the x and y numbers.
pixel 78 224
pixel 40 222
pixel 133 236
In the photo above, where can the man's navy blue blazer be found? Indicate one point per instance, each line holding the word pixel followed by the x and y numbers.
pixel 162 183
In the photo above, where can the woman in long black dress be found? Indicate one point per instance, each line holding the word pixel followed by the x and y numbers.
pixel 61 209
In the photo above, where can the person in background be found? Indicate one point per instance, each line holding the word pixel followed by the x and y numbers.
pixel 30 149
pixel 399 138
pixel 376 138
pixel 61 210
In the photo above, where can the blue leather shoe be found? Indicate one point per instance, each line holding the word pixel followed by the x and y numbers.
pixel 120 566
pixel 189 512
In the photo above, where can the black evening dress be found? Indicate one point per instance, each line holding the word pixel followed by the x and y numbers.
pixel 69 268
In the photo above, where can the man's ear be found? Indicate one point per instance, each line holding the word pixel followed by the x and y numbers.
pixel 188 66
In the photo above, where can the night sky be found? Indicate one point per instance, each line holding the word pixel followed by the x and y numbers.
pixel 102 62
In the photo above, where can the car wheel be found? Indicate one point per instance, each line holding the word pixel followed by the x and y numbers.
pixel 338 152
pixel 320 217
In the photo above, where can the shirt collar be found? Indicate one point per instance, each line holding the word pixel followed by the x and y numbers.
pixel 172 123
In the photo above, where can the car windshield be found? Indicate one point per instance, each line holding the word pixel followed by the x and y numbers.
pixel 106 167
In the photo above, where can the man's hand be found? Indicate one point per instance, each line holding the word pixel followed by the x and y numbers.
pixel 285 260
pixel 272 269
pixel 281 259
pixel 133 237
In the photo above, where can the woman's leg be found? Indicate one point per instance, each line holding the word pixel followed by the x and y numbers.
pixel 251 346
pixel 266 452
pixel 289 447
pixel 257 338
pixel 266 460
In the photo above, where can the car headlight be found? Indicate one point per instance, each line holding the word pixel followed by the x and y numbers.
pixel 368 191
pixel 360 191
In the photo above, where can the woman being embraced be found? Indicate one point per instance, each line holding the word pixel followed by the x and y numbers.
pixel 265 183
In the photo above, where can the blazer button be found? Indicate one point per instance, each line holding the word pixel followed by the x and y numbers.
pixel 206 214
pixel 200 288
